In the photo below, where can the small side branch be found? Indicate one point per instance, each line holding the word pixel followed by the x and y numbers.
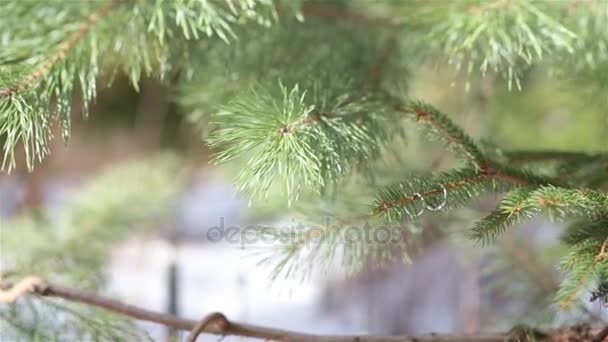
pixel 600 257
pixel 419 196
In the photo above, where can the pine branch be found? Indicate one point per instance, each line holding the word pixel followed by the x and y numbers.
pixel 99 214
pixel 135 37
pixel 504 37
pixel 584 262
pixel 62 51
pixel 557 203
pixel 308 141
pixel 589 172
pixel 441 127
pixel 355 242
pixel 24 112
pixel 409 200
pixel 343 122
pixel 444 191
pixel 512 209
pixel 455 189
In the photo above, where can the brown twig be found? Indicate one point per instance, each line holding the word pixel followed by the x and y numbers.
pixel 218 324
pixel 487 174
pixel 62 51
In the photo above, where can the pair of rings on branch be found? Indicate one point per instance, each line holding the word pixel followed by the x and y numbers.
pixel 426 206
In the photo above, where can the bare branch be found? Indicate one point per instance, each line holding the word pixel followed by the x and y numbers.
pixel 217 323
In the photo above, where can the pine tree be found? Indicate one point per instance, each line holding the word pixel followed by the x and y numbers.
pixel 308 104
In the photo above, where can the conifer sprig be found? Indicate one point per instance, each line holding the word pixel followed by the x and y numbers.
pixel 410 199
pixel 24 103
pixel 43 66
pixel 329 109
pixel 304 141
pixel 586 263
pixel 555 202
pixel 62 51
pixel 484 175
pixel 528 195
pixel 506 37
pixel 456 188
pixel 352 243
pixel 448 190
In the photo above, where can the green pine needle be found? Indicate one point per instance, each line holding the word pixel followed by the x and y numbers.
pixel 303 141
